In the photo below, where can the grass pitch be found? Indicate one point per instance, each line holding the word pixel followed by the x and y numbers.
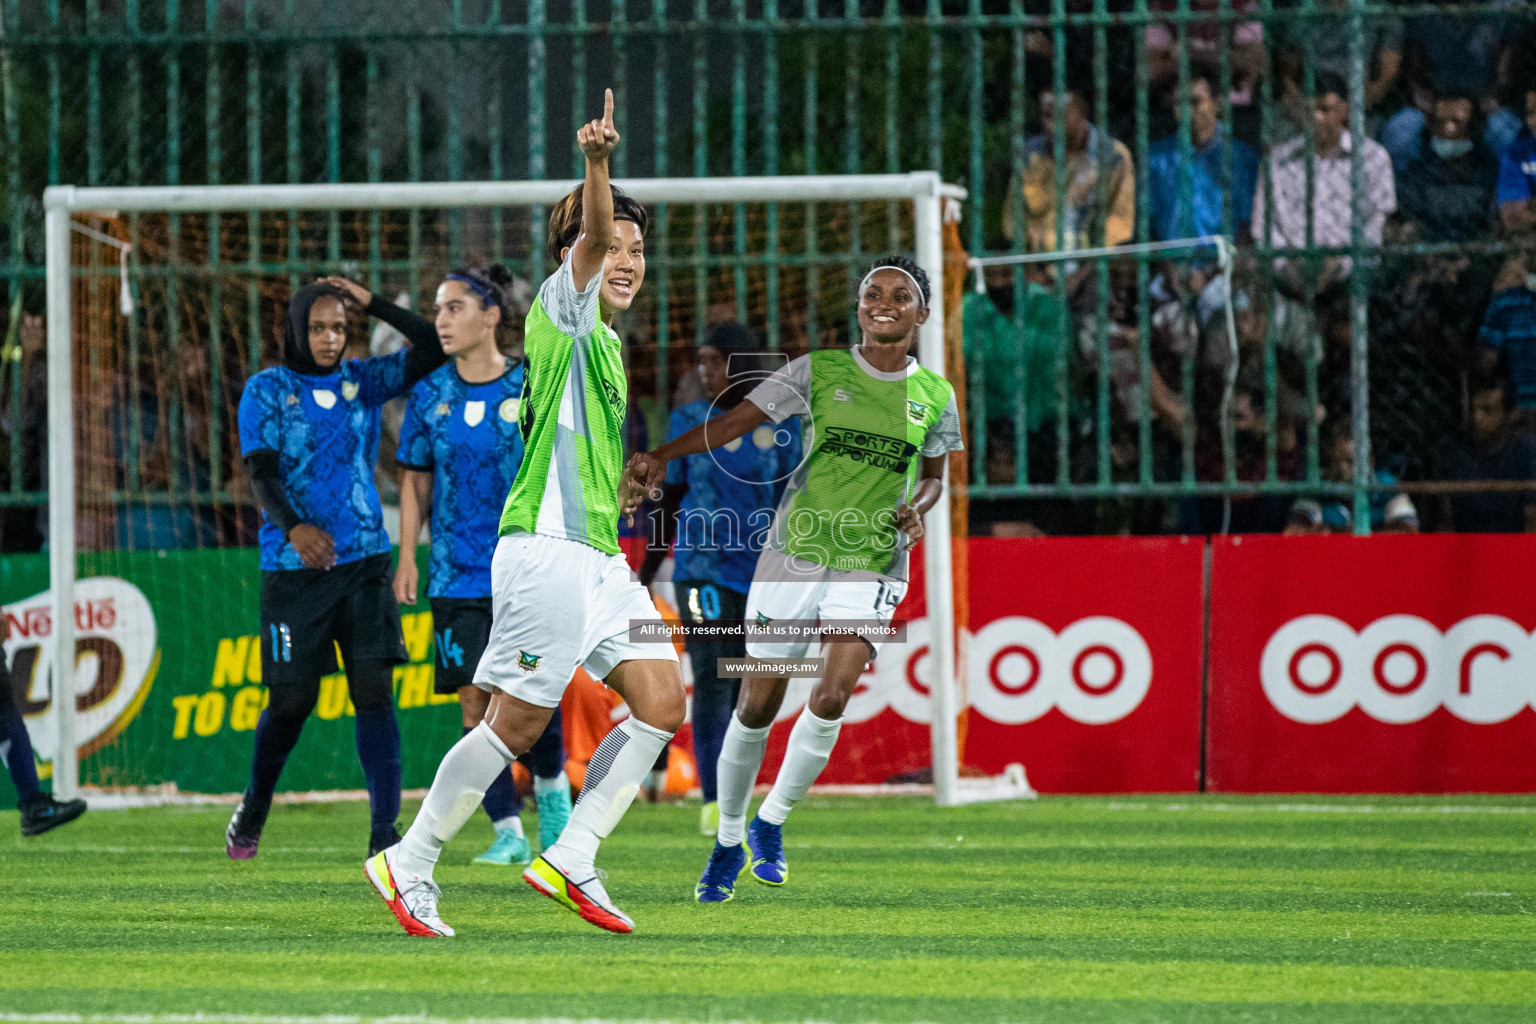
pixel 1061 910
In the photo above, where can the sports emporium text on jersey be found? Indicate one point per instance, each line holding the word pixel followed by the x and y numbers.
pixel 879 450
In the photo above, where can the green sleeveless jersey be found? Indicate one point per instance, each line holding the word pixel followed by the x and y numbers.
pixel 866 432
pixel 573 406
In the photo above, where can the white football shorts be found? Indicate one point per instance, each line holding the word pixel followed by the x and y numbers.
pixel 788 589
pixel 557 604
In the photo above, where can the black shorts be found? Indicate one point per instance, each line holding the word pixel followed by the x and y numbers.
pixel 305 613
pixel 461 627
pixel 703 601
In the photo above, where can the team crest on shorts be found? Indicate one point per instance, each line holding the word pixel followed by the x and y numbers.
pixel 762 620
pixel 916 412
pixel 528 662
pixel 349 390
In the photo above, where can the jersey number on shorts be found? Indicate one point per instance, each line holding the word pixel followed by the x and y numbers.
pixel 282 642
pixel 447 649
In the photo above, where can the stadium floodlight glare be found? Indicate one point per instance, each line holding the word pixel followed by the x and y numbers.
pixel 924 190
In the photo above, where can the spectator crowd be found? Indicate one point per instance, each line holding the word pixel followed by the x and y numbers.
pixel 1427 225
pixel 1244 132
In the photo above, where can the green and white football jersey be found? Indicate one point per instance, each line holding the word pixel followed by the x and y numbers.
pixel 573 405
pixel 865 430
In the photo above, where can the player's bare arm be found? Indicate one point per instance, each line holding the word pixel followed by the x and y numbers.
pixel 415 509
pixel 930 488
pixel 597 139
pixel 645 470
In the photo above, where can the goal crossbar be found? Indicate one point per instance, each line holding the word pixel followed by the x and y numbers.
pixel 407 195
pixel 925 190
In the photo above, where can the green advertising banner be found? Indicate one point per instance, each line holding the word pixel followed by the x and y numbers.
pixel 168 677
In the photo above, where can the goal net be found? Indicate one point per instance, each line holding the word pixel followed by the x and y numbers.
pixel 162 301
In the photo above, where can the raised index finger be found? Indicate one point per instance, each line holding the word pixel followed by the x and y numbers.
pixel 607 108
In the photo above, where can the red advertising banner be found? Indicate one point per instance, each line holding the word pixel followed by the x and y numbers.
pixel 1389 664
pixel 1082 663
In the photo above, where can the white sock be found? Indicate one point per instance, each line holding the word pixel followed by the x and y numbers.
pixel 620 763
pixel 741 755
pixel 810 744
pixel 466 773
pixel 542 786
pixel 514 823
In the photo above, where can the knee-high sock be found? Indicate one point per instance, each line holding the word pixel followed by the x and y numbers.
pixel 16 752
pixel 712 703
pixel 810 744
pixel 618 767
pixel 466 773
pixel 378 748
pixel 502 803
pixel 741 755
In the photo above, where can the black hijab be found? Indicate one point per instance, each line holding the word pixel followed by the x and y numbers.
pixel 297 355
pixel 735 339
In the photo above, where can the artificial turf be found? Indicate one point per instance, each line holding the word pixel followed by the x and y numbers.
pixel 1057 910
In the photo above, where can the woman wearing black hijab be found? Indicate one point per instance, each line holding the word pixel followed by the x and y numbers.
pixel 309 434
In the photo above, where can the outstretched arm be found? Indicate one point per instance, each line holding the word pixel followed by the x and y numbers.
pixel 597 140
pixel 646 469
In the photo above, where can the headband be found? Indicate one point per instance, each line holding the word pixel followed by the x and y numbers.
pixel 487 296
pixel 921 298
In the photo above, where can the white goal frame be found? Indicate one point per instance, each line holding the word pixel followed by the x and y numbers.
pixel 923 189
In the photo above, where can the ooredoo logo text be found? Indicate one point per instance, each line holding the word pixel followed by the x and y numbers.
pixel 1399 669
pixel 1096 670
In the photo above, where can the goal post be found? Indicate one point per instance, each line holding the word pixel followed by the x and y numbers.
pixel 923 192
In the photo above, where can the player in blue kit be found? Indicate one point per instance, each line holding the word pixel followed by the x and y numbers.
pixel 460 447
pixel 309 434
pixel 725 504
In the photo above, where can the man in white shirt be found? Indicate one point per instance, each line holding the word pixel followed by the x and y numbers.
pixel 1281 222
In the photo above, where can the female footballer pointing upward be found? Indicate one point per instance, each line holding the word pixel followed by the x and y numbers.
pixel 562 594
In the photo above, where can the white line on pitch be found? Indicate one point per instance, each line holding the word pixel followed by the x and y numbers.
pixel 178 850
pixel 1323 808
pixel 232 1018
